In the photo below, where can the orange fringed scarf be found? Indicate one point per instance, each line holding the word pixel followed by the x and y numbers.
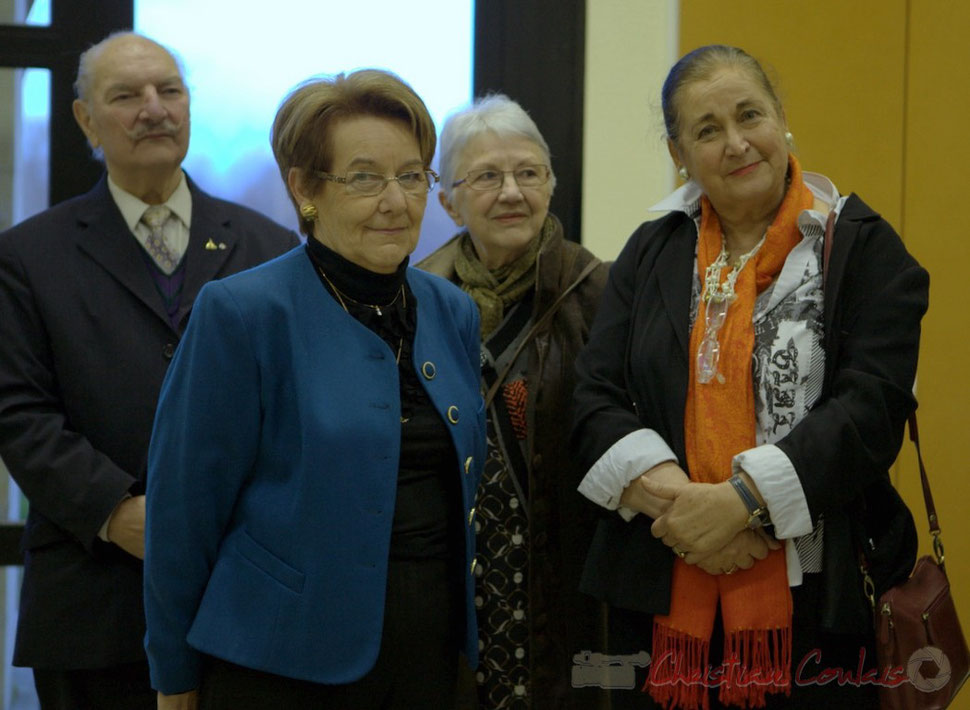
pixel 719 423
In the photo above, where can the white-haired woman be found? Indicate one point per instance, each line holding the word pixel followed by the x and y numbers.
pixel 537 293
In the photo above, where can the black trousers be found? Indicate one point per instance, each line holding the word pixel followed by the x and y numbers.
pixel 125 687
pixel 415 669
pixel 815 657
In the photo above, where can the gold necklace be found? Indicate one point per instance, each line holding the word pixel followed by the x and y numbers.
pixel 340 299
pixel 377 309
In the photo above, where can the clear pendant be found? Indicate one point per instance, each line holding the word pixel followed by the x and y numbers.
pixel 708 353
pixel 707 356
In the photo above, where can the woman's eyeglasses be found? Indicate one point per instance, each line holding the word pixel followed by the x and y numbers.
pixel 491 179
pixel 413 182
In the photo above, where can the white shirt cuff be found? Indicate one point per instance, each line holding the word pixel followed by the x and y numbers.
pixel 792 564
pixel 627 459
pixel 103 532
pixel 627 514
pixel 774 475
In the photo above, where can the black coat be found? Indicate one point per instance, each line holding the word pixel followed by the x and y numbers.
pixel 85 345
pixel 634 374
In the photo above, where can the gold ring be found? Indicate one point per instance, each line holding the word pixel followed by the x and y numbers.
pixel 680 553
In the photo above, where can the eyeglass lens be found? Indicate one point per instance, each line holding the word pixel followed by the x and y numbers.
pixel 416 182
pixel 490 179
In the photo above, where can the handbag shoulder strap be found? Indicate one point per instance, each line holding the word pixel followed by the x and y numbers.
pixel 934 521
pixel 538 326
pixel 931 516
pixel 913 427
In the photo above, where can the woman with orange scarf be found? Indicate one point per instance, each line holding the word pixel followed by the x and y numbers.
pixel 740 401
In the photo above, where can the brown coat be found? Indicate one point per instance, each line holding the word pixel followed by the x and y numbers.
pixel 564 621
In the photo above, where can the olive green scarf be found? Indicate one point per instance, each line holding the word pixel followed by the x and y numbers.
pixel 494 290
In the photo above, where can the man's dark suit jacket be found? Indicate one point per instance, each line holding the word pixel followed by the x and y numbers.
pixel 85 344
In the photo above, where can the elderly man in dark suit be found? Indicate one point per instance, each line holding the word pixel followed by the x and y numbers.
pixel 94 294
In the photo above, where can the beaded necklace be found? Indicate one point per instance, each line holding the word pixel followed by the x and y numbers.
pixel 717 298
pixel 715 291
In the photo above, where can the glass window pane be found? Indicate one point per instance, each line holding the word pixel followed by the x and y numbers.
pixel 238 82
pixel 17 683
pixel 24 151
pixel 24 143
pixel 25 12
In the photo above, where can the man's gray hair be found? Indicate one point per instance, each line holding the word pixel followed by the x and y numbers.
pixel 85 77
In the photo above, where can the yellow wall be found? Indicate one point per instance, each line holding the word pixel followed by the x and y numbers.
pixel 876 95
pixel 630 45
pixel 937 226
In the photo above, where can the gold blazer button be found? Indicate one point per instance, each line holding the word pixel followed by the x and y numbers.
pixel 468 464
pixel 428 370
pixel 453 414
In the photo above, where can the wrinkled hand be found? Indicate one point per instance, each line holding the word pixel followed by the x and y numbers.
pixel 637 497
pixel 702 517
pixel 741 552
pixel 126 528
pixel 179 701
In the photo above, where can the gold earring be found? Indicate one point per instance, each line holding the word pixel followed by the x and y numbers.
pixel 308 211
pixel 684 175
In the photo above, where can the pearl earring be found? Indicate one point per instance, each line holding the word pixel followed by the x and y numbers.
pixel 684 175
pixel 789 139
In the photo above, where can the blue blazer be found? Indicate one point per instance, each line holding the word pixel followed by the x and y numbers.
pixel 273 473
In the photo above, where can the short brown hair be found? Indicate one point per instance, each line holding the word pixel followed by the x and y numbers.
pixel 301 130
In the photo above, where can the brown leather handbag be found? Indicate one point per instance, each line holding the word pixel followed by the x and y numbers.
pixel 921 649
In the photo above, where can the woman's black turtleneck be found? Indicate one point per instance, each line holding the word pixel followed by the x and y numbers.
pixel 427 512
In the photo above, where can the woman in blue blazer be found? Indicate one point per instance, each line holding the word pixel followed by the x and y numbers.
pixel 319 440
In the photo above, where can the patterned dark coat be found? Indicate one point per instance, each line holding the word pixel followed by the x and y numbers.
pixel 564 621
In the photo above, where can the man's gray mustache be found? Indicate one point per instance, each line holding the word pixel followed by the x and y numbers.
pixel 166 128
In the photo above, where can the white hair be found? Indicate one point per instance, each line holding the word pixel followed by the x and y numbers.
pixel 496 113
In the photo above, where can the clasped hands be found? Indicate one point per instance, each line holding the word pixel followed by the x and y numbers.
pixel 704 523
